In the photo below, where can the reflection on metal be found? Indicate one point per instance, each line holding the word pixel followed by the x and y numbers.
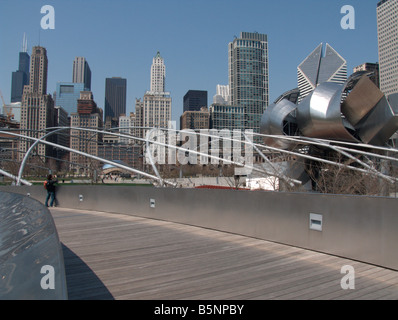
pixel 356 111
pixel 319 114
pixel 28 242
pixel 278 119
pixel 361 100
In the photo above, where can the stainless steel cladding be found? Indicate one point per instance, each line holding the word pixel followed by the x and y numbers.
pixel 362 114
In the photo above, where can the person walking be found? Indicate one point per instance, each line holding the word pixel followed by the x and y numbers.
pixel 50 185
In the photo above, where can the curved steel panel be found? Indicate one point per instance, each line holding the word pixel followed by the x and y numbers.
pixel 380 124
pixel 29 248
pixel 362 99
pixel 319 114
pixel 272 122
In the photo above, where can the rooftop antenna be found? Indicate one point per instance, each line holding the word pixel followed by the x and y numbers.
pixel 24 43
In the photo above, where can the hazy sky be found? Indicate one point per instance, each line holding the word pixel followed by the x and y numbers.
pixel 119 38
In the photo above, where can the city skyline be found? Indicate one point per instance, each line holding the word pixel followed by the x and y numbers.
pixel 196 50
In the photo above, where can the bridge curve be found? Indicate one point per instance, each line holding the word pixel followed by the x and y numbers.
pixel 118 256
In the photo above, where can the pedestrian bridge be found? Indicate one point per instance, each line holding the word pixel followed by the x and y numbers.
pixel 162 243
pixel 117 256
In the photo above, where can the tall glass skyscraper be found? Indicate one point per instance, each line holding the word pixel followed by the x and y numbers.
pixel 194 100
pixel 387 31
pixel 248 76
pixel 115 97
pixel 20 78
pixel 67 94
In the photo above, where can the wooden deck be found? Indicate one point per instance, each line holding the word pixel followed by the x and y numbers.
pixel 115 256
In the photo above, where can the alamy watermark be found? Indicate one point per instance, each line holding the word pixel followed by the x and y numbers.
pixel 348 281
pixel 48 20
pixel 348 20
pixel 203 147
pixel 48 280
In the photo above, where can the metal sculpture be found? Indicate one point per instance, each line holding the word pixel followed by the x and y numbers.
pixel 354 112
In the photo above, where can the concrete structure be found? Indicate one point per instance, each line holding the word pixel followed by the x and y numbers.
pixel 387 31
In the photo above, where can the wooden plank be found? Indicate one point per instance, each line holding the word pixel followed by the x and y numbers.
pixel 115 256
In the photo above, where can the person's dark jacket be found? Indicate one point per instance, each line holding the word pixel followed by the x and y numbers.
pixel 50 186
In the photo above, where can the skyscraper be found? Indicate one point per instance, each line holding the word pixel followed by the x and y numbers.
pixel 387 31
pixel 37 108
pixel 155 109
pixel 194 100
pixel 82 72
pixel 67 94
pixel 20 78
pixel 248 76
pixel 158 74
pixel 318 68
pixel 88 115
pixel 115 97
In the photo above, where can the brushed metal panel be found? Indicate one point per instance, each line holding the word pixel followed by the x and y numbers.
pixel 319 114
pixel 28 242
pixel 380 124
pixel 272 122
pixel 361 100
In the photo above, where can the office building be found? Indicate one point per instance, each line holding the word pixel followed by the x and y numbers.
pixel 222 95
pixel 126 125
pixel 248 76
pixel 20 78
pixel 194 100
pixel 372 69
pixel 37 108
pixel 227 117
pixel 387 31
pixel 82 72
pixel 62 138
pixel 154 110
pixel 115 97
pixel 88 115
pixel 158 75
pixel 195 120
pixel 317 68
pixel 67 94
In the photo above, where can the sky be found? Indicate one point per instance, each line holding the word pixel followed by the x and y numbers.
pixel 119 38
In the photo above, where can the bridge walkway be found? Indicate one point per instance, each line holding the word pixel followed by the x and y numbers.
pixel 116 256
